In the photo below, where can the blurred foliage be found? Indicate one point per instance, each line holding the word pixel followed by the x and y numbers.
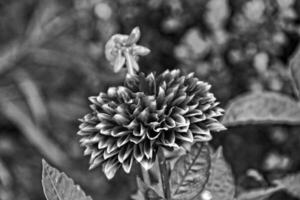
pixel 52 59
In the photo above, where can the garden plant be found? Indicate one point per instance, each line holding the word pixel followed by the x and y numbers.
pixel 163 123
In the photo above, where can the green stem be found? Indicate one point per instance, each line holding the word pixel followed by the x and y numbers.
pixel 146 176
pixel 164 172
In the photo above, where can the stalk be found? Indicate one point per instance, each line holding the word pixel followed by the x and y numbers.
pixel 158 175
pixel 164 173
pixel 146 176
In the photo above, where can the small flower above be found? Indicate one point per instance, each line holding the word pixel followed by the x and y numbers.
pixel 130 123
pixel 122 50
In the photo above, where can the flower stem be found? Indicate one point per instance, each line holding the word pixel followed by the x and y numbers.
pixel 164 172
pixel 146 176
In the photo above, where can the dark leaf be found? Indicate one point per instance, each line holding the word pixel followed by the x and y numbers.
pixel 220 183
pixel 259 194
pixel 190 173
pixel 260 108
pixel 58 186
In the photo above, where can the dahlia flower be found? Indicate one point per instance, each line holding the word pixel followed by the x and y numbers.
pixel 130 123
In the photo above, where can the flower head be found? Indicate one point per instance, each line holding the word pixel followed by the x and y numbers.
pixel 130 122
pixel 122 50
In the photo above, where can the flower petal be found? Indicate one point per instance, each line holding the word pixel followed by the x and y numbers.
pixel 140 50
pixel 138 152
pixel 96 162
pixel 123 140
pixel 147 163
pixel 124 153
pixel 186 136
pixel 127 164
pixel 148 149
pixel 120 119
pixel 134 36
pixel 168 139
pixel 119 62
pixel 110 168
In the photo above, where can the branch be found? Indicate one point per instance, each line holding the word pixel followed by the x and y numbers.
pixel 33 133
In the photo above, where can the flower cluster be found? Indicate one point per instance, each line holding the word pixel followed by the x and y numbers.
pixel 130 122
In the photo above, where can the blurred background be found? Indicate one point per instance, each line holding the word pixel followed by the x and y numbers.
pixel 52 60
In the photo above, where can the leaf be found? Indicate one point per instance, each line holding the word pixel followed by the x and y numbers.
pixel 259 194
pixel 35 134
pixel 291 184
pixel 58 186
pixel 220 183
pixel 259 108
pixel 295 71
pixel 145 192
pixel 190 173
pixel 33 96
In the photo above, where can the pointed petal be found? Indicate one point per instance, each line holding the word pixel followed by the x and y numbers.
pixel 216 126
pixel 180 120
pixel 199 118
pixel 203 137
pixel 137 140
pixel 102 143
pixel 132 124
pixel 143 116
pixel 148 149
pixel 103 116
pixel 127 164
pixel 107 108
pixel 138 152
pixel 119 131
pixel 179 100
pixel 134 36
pixel 111 148
pixel 119 62
pixel 88 150
pixel 135 65
pixel 169 139
pixel 97 161
pixel 153 135
pixel 94 100
pixel 95 154
pixel 185 136
pixel 111 168
pixel 123 140
pixel 147 164
pixel 124 153
pixel 120 119
pixel 140 50
pixel 140 132
pixel 112 92
pixel 107 155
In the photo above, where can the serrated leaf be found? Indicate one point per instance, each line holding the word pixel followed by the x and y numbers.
pixel 259 108
pixel 259 194
pixel 221 182
pixel 295 70
pixel 190 173
pixel 58 186
pixel 291 184
pixel 145 192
